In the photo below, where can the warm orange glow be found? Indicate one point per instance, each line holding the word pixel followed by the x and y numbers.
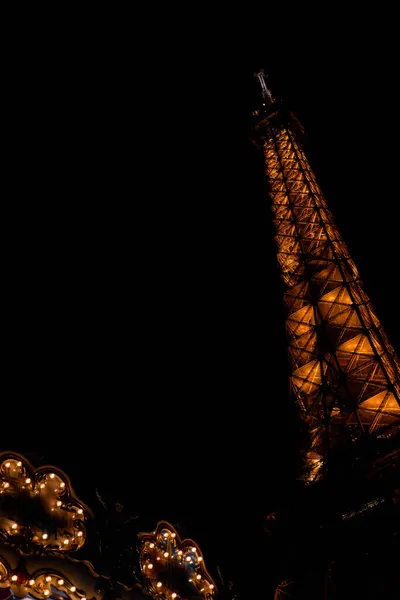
pixel 164 549
pixel 344 372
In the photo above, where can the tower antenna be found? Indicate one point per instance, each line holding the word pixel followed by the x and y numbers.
pixel 266 94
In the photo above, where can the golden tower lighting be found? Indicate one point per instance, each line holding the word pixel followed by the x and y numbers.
pixel 345 375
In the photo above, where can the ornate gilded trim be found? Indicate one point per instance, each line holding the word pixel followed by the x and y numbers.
pixel 52 492
pixel 173 569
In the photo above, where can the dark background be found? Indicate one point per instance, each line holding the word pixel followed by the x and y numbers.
pixel 145 349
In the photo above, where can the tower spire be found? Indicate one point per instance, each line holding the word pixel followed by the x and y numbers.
pixel 266 93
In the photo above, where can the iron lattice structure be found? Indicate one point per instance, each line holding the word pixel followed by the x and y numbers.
pixel 344 373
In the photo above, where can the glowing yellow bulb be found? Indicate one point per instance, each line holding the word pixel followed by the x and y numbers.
pixel 73 589
pixel 199 558
pixel 14 578
pixel 198 576
pixel 60 582
pixel 173 535
pixel 62 484
pixel 159 584
pixel 150 566
pixel 212 586
pixel 28 480
pixel 14 526
pixel 41 486
pixel 6 485
pixel 180 552
pixel 48 578
pixel 8 464
pixel 79 534
pixel 174 595
pixel 66 541
pixel 80 511
pixel 52 475
pixel 151 545
pixel 193 549
pixel 158 558
pixel 83 598
pixel 188 559
pixel 45 536
pixel 166 554
pixel 46 592
pixel 59 502
pixel 31 582
pixel 19 464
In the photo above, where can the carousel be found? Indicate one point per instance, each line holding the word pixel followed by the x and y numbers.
pixel 46 550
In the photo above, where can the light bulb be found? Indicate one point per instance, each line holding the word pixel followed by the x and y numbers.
pixel 173 535
pixel 193 549
pixel 166 554
pixel 212 586
pixel 159 584
pixel 52 475
pixel 149 566
pixel 79 534
pixel 73 589
pixel 46 592
pixel 151 545
pixel 31 582
pixel 66 541
pixel 41 486
pixel 198 576
pixel 174 595
pixel 28 480
pixel 60 582
pixel 59 502
pixel 7 485
pixel 14 526
pixel 14 578
pixel 188 559
pixel 8 464
pixel 62 484
pixel 48 578
pixel 180 552
pixel 45 536
pixel 19 464
pixel 80 511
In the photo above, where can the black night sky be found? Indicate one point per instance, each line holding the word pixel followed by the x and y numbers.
pixel 146 350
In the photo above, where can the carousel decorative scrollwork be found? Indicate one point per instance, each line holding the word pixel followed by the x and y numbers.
pixel 41 584
pixel 53 519
pixel 173 569
pixel 41 524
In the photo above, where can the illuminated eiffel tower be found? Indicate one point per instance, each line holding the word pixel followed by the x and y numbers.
pixel 345 376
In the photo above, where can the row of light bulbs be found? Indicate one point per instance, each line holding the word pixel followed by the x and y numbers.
pixel 48 579
pixel 45 536
pixel 28 480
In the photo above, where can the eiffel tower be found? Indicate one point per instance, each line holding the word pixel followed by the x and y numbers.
pixel 344 374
